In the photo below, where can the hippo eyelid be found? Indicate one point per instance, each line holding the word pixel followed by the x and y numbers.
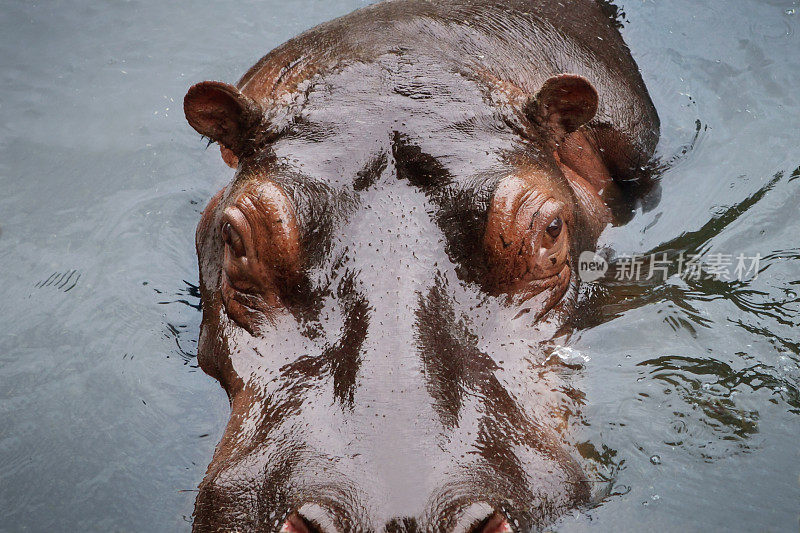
pixel 236 230
pixel 236 218
pixel 233 240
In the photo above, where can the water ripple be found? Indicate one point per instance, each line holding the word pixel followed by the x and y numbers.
pixel 62 281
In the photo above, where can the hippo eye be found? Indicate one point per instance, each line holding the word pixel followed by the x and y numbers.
pixel 555 227
pixel 233 240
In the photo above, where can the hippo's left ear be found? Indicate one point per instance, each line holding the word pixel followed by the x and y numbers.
pixel 223 114
pixel 563 104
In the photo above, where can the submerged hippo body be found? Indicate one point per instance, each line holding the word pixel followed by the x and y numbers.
pixel 414 184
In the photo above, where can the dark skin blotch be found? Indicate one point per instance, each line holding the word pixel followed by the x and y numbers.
pixel 367 177
pixel 417 167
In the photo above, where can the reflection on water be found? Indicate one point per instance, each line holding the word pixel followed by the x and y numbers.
pixel 689 389
pixel 184 335
pixel 700 396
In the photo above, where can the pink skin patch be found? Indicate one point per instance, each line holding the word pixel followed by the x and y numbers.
pixel 497 524
pixel 294 525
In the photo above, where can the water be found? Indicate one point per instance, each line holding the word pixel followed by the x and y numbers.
pixel 106 424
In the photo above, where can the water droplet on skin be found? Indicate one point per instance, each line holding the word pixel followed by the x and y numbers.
pixel 656 460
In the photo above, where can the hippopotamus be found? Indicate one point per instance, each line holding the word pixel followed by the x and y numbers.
pixel 413 185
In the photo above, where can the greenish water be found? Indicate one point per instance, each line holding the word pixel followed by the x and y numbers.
pixel 106 424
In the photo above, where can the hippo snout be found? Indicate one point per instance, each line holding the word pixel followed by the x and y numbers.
pixel 309 491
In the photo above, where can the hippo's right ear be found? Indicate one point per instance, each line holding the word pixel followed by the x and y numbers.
pixel 223 114
pixel 563 104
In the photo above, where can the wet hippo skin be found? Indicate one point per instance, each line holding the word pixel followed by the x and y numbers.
pixel 414 183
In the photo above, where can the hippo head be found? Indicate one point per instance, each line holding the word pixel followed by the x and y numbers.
pixel 377 281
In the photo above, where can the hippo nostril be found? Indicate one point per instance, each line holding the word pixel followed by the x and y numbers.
pixel 480 517
pixel 298 524
pixel 495 523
